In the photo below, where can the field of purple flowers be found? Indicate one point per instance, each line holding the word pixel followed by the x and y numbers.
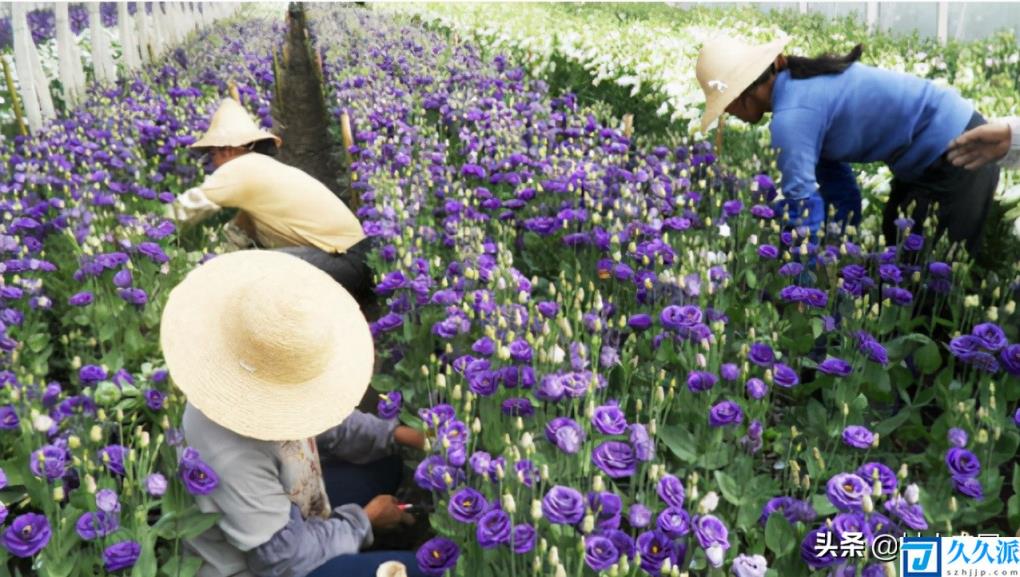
pixel 627 363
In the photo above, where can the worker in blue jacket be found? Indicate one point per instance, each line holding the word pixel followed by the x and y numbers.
pixel 830 111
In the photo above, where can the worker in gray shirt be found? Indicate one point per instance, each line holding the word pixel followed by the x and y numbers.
pixel 273 357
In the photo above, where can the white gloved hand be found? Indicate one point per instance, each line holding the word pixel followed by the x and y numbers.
pixel 391 569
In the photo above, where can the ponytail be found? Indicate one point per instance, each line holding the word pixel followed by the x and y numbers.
pixel 803 67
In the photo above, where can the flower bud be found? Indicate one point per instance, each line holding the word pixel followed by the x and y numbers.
pixel 904 471
pixel 536 509
pixel 588 524
pixel 709 502
pixel 143 439
pixel 58 493
pixel 90 484
pixel 597 484
pixel 42 423
pixel 982 437
pixel 867 505
pixel 952 505
pixel 509 505
pixel 96 434
pixel 912 494
pixel 560 571
pixel 554 555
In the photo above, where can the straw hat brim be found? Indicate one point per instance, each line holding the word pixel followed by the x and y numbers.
pixel 202 365
pixel 716 102
pixel 242 139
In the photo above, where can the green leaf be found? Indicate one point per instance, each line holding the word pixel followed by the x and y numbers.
pixel 195 525
pixel 181 567
pixel 892 423
pixel 779 535
pixel 384 383
pixel 928 358
pixel 729 488
pixel 56 565
pixel 1016 479
pixel 681 442
pixel 37 342
pixel 146 565
pixel 1013 512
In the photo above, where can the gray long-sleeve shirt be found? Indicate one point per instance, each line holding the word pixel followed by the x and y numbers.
pixel 275 518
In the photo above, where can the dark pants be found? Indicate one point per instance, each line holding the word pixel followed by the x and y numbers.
pixel 350 269
pixel 359 484
pixel 964 198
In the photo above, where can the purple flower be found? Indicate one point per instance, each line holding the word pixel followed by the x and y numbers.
pixel 518 407
pixel 27 535
pixel 911 515
pixel 123 278
pixel 810 550
pixel 639 516
pixel 671 491
pixel 49 462
pixel 784 376
pixel 676 317
pixel 729 371
pixel 390 404
pixel 520 351
pixel 89 374
pixel 962 463
pixel 493 529
pixel 548 309
pixel 835 367
pixel 655 548
pixel 957 437
pixel 113 457
pixel 198 477
pixel 615 458
pixel 153 252
pixel 565 433
pixel 872 349
pixel 1010 357
pixel 725 413
pixel 794 510
pixel 438 556
pixel 674 522
pixel 991 336
pixel 522 538
pixel 120 556
pixel 467 505
pixel 761 355
pixel 606 506
pixel 749 566
pixel 846 490
pixel 913 242
pixel 791 269
pixel 858 437
pixel 870 471
pixel 609 419
pixel 711 532
pixel 890 273
pixel 898 296
pixel 550 388
pixel 133 296
pixel 484 346
pixel 81 299
pixel 600 553
pixel 700 381
pixel 639 322
pixel 768 252
pixel 969 486
pixel 563 506
pixel 1016 417
pixel 756 388
pixel 154 399
pixel 9 420
pixel 644 446
pixel 107 501
pixel 155 484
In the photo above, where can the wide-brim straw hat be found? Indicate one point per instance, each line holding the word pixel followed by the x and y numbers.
pixel 232 126
pixel 267 345
pixel 727 66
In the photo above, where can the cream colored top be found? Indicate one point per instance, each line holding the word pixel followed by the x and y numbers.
pixel 288 206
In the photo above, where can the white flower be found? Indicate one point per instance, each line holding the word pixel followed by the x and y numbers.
pixel 391 569
pixel 912 493
pixel 709 502
pixel 718 85
pixel 715 555
pixel 42 423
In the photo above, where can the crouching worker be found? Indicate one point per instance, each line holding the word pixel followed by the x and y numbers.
pixel 280 207
pixel 273 357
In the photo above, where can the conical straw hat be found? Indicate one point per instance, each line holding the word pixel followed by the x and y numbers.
pixel 267 346
pixel 231 126
pixel 727 66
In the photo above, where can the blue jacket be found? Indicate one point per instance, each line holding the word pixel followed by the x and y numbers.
pixel 865 114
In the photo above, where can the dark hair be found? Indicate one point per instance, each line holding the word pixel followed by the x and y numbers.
pixel 266 146
pixel 803 67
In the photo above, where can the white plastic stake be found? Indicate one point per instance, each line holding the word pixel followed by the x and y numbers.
pixel 23 66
